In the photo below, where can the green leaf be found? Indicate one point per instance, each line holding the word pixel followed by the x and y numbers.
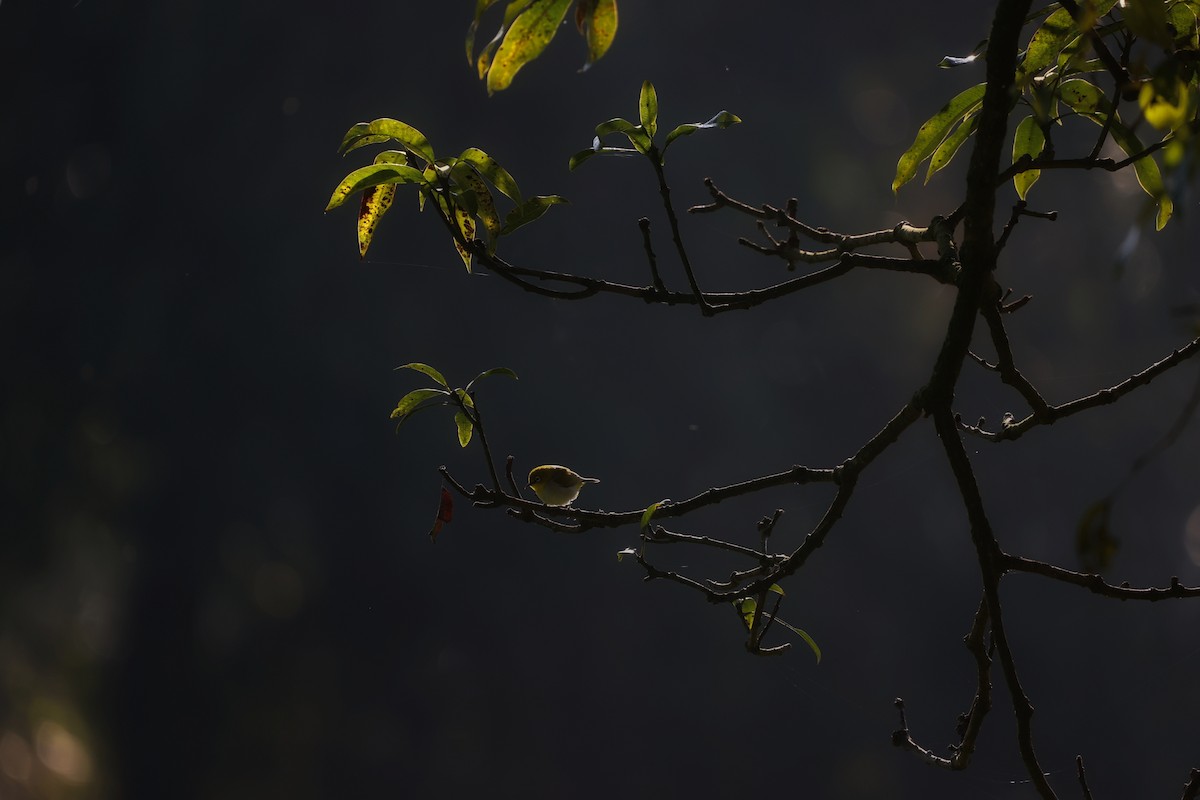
pixel 493 371
pixel 489 168
pixel 1055 33
pixel 411 401
pixel 583 155
pixel 1028 140
pixel 525 40
pixel 597 150
pixel 365 133
pixel 529 211
pixel 1183 20
pixel 480 7
pixel 777 589
pixel 648 108
pixel 747 608
pixel 1088 101
pixel 935 130
pixel 648 514
pixel 465 428
pixel 952 144
pixel 376 200
pixel 597 20
pixel 464 398
pixel 635 133
pixel 482 205
pixel 1085 98
pixel 722 120
pixel 425 369
pixel 1148 175
pixel 1148 20
pixel 812 645
pixel 372 175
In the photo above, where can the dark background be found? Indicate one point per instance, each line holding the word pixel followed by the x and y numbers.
pixel 214 575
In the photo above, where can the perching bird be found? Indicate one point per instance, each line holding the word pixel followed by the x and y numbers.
pixel 555 485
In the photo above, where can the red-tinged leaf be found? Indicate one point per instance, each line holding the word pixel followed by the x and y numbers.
pixel 376 200
pixel 444 515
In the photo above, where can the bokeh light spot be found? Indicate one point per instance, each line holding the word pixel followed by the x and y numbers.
pixel 63 753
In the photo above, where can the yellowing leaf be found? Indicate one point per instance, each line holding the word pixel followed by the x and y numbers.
pixel 598 23
pixel 525 41
pixel 1165 111
pixel 467 226
pixel 375 202
pixel 1028 140
pixel 372 175
pixel 465 428
pixel 934 131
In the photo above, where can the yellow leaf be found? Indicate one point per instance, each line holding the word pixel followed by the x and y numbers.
pixel 375 202
pixel 525 41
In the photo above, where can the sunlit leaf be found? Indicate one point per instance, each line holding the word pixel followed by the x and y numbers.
pixel 1055 33
pixel 480 7
pixel 464 398
pixel 747 608
pixel 427 370
pixel 465 428
pixel 376 200
pixel 1088 101
pixel 365 133
pixel 1166 108
pixel 934 131
pixel 1028 140
pixel 598 150
pixel 525 40
pixel 777 589
pixel 722 120
pixel 445 513
pixel 489 168
pixel 808 640
pixel 648 108
pixel 648 514
pixel 466 226
pixel 372 175
pixel 635 133
pixel 493 371
pixel 598 23
pixel 411 401
pixel 482 205
pixel 951 145
pixel 529 211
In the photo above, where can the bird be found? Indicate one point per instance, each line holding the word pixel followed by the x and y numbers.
pixel 556 485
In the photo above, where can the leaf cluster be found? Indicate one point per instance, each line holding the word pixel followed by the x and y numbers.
pixel 459 188
pixel 466 417
pixel 1070 46
pixel 526 30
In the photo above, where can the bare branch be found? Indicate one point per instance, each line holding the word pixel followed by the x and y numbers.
pixel 1095 583
pixel 1052 414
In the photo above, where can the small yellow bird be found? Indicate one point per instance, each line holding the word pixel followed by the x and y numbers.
pixel 555 485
